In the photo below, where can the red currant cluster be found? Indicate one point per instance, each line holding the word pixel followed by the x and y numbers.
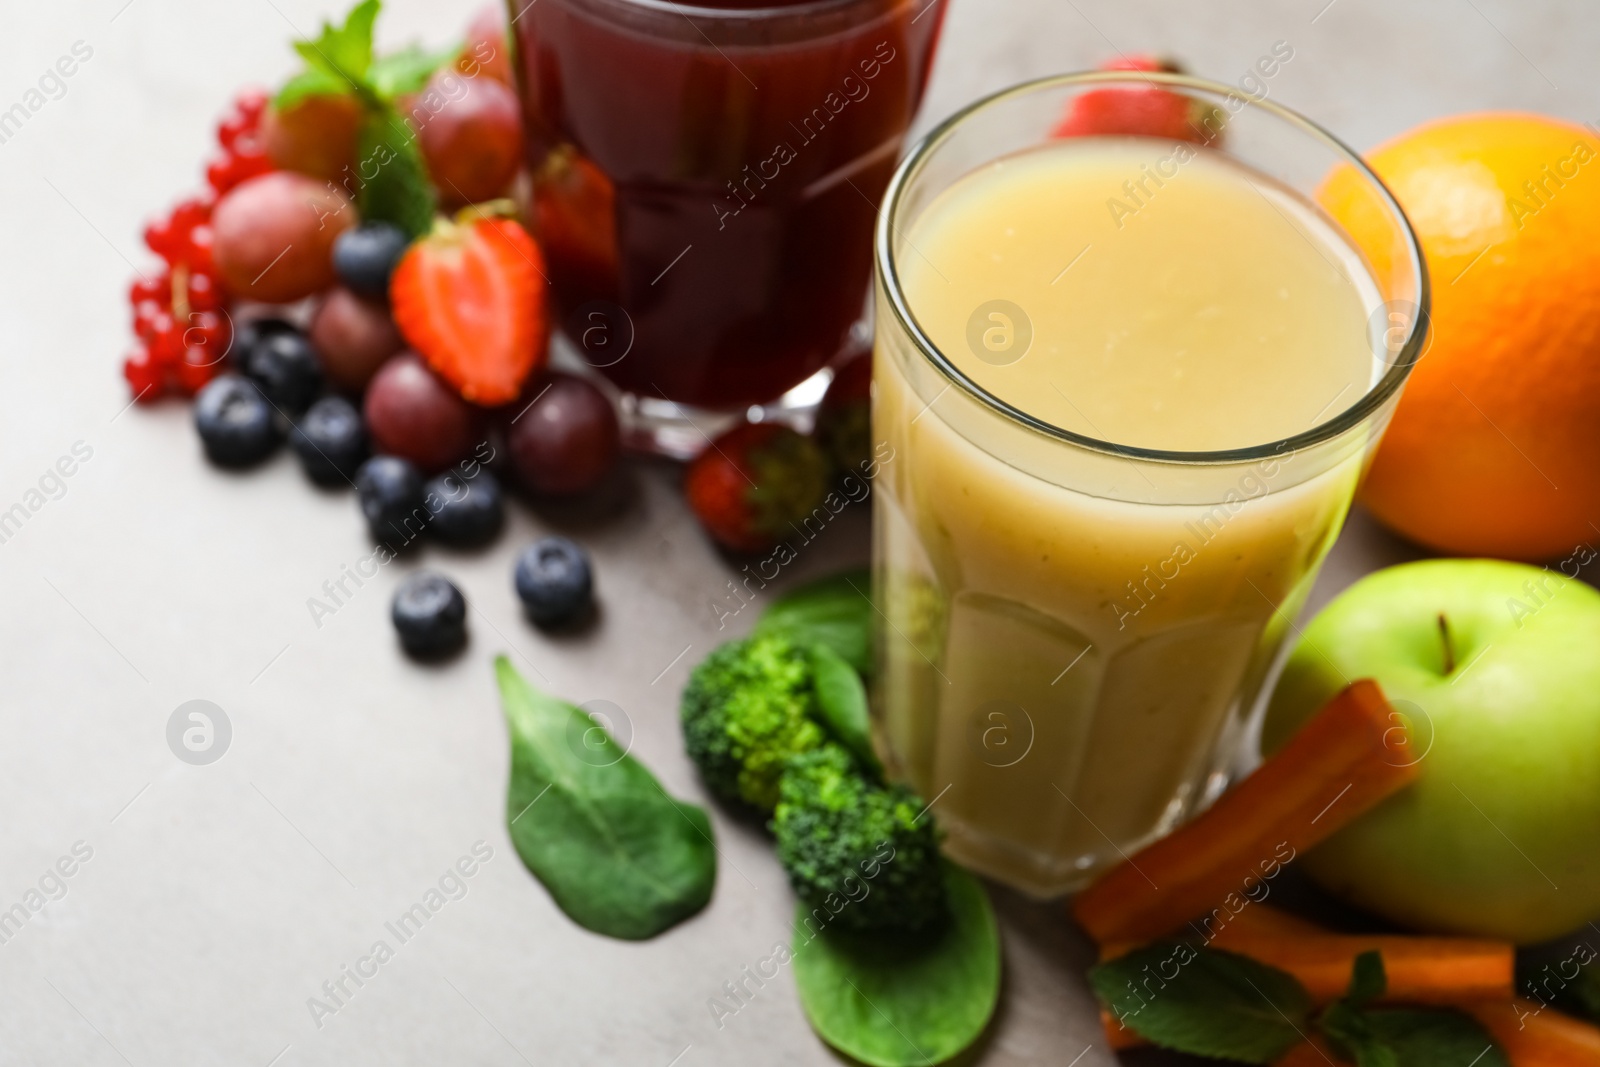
pixel 180 316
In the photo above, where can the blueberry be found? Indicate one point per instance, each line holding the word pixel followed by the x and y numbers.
pixel 430 615
pixel 286 367
pixel 365 256
pixel 554 581
pixel 248 333
pixel 237 426
pixel 465 511
pixel 330 441
pixel 390 492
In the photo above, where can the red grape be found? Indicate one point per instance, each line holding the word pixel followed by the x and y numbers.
pixel 354 337
pixel 316 135
pixel 470 132
pixel 273 236
pixel 486 52
pixel 413 414
pixel 566 440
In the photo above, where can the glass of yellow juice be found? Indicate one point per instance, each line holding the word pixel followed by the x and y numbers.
pixel 1124 389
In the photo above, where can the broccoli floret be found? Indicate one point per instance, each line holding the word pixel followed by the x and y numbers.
pixel 746 712
pixel 843 835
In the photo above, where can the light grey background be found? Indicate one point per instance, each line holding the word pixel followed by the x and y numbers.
pixel 219 898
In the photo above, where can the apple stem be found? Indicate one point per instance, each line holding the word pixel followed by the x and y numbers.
pixel 1444 637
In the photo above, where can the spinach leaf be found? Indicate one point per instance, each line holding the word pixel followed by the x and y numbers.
pixel 835 611
pixel 842 703
pixel 619 855
pixel 1204 1001
pixel 898 1001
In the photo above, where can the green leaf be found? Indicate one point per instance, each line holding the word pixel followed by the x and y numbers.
pixel 842 703
pixel 1204 1001
pixel 1367 979
pixel 902 1001
pixel 407 70
pixel 1431 1037
pixel 394 180
pixel 833 611
pixel 344 51
pixel 313 81
pixel 619 855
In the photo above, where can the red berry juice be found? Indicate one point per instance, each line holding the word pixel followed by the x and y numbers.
pixel 715 172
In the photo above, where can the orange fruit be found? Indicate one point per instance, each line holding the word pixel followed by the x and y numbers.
pixel 1495 447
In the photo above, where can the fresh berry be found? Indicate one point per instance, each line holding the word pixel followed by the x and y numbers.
pixel 844 418
pixel 754 483
pixel 156 290
pixel 145 376
pixel 470 298
pixel 247 333
pixel 389 490
pixel 237 167
pixel 354 337
pixel 194 370
pixel 1148 110
pixel 430 615
pixel 466 511
pixel 330 441
pixel 316 136
pixel 365 256
pixel 237 426
pixel 273 236
pixel 566 440
pixel 486 53
pixel 554 581
pixel 411 413
pixel 202 291
pixel 285 365
pixel 575 219
pixel 473 143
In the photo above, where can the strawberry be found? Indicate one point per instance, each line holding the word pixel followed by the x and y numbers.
pixel 574 215
pixel 754 483
pixel 1150 110
pixel 470 298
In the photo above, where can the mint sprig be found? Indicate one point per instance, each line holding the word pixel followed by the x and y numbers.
pixel 390 179
pixel 1208 1002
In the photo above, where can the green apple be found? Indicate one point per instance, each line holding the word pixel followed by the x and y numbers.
pixel 1495 668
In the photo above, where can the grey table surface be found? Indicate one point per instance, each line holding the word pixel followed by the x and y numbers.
pixel 217 899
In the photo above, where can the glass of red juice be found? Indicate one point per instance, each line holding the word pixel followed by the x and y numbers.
pixel 706 179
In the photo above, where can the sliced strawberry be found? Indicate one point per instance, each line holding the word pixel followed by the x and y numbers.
pixel 1149 110
pixel 755 483
pixel 470 298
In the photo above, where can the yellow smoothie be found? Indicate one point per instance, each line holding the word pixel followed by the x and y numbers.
pixel 1073 639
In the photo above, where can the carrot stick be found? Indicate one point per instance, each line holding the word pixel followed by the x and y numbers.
pixel 1420 970
pixel 1531 1037
pixel 1341 763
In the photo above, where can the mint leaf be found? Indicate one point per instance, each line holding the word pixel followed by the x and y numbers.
pixel 1425 1037
pixel 1367 979
pixel 618 855
pixel 394 180
pixel 406 71
pixel 1204 1001
pixel 344 51
pixel 832 611
pixel 898 1001
pixel 313 81
pixel 842 703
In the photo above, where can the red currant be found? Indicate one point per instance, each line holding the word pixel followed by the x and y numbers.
pixel 209 330
pixel 162 238
pixel 157 289
pixel 144 375
pixel 166 346
pixel 204 291
pixel 146 314
pixel 196 367
pixel 195 211
pixel 251 103
pixel 197 252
